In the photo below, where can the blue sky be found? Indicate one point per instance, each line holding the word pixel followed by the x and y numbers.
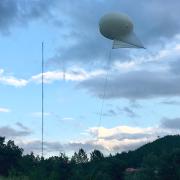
pixel 142 98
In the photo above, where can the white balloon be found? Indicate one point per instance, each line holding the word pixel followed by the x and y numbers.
pixel 119 28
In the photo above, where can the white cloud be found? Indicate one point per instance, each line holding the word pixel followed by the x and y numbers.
pixel 67 119
pixel 11 80
pixel 124 138
pixel 108 140
pixel 73 74
pixel 4 110
pixel 125 66
pixel 135 61
pixel 105 132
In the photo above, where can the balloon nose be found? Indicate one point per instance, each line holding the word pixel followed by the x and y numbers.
pixel 119 27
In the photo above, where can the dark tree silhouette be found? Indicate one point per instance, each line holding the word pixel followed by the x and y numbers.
pixel 96 155
pixel 80 157
pixel 159 160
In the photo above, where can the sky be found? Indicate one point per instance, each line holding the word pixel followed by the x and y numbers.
pixel 141 101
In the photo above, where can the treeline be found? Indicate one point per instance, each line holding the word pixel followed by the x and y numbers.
pixel 159 160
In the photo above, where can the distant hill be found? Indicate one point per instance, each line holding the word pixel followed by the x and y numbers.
pixel 153 157
pixel 158 147
pixel 159 160
pixel 165 144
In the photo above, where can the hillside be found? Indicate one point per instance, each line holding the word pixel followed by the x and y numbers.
pixel 165 144
pixel 158 147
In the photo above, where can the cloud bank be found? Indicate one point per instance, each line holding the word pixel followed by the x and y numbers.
pixel 108 140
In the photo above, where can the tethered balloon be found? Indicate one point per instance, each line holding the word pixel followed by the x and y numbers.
pixel 119 28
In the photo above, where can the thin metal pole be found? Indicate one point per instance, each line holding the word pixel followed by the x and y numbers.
pixel 42 93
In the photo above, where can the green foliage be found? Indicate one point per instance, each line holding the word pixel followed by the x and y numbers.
pixel 80 157
pixel 138 176
pixel 159 160
pixel 96 155
pixel 9 156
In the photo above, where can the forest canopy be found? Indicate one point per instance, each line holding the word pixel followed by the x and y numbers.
pixel 157 160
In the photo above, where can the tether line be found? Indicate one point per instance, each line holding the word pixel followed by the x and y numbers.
pixel 42 99
pixel 104 91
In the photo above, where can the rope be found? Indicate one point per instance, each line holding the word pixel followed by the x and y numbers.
pixel 104 91
pixel 42 100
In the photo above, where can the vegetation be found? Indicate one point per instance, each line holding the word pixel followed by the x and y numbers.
pixel 159 160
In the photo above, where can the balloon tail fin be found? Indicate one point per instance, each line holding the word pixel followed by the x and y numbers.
pixel 132 40
pixel 120 44
pixel 128 41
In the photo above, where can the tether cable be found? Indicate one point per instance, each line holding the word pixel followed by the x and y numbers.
pixel 104 91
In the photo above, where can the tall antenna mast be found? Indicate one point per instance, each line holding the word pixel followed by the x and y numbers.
pixel 42 102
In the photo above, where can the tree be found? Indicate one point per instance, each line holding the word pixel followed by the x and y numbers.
pixel 10 154
pixel 96 155
pixel 80 157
